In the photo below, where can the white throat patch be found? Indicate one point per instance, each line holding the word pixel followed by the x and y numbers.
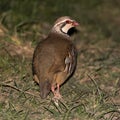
pixel 66 28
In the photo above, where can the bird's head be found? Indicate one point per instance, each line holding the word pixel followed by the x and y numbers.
pixel 65 26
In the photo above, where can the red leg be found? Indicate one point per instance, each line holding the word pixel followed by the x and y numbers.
pixel 53 90
pixel 56 92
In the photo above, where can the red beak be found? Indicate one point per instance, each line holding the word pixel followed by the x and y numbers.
pixel 75 23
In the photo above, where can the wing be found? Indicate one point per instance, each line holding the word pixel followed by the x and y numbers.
pixel 71 60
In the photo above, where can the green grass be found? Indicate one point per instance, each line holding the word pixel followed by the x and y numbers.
pixel 93 93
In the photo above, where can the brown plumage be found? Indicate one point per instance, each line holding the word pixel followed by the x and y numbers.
pixel 54 58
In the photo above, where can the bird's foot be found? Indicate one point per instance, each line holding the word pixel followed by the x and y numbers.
pixel 57 97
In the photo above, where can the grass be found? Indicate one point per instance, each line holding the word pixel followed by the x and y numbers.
pixel 93 93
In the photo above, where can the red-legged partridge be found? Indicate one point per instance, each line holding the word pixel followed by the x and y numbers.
pixel 54 58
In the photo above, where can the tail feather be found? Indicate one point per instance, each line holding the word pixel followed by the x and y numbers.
pixel 45 87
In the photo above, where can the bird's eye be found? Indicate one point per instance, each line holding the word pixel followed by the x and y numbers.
pixel 68 21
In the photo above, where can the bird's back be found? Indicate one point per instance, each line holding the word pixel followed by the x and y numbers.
pixel 52 50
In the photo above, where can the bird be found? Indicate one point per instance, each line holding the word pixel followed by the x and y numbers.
pixel 55 57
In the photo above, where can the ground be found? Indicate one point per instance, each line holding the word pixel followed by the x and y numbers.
pixel 92 93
